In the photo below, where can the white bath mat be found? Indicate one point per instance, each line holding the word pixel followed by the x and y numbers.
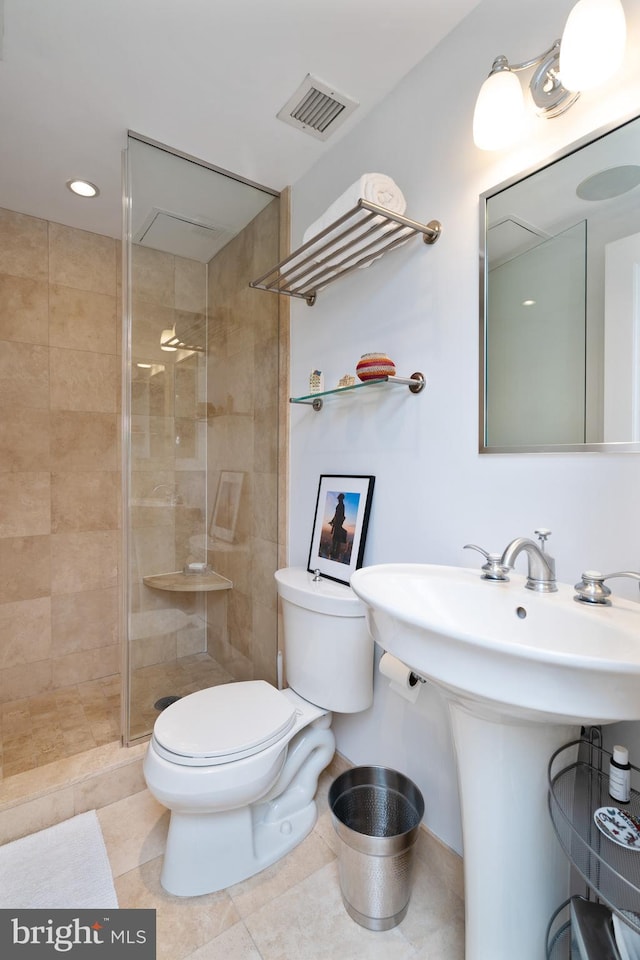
pixel 65 866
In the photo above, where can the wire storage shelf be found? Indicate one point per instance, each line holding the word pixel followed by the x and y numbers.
pixel 559 934
pixel 356 239
pixel 578 786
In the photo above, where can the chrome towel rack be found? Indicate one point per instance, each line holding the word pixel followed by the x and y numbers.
pixel 355 239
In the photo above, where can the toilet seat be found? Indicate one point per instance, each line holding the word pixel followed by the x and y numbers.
pixel 224 723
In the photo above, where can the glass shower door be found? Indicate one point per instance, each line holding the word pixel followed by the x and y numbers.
pixel 197 440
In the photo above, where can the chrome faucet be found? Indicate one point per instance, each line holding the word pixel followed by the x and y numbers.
pixel 541 574
pixel 591 588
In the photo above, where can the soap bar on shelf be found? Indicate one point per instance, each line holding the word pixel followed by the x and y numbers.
pixel 196 569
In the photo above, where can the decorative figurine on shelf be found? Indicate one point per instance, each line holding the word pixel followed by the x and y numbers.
pixel 316 381
pixel 371 366
pixel 347 381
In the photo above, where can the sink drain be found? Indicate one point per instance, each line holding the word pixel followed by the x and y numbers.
pixel 164 702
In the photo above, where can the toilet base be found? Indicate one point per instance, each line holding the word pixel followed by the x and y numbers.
pixel 209 852
pixel 206 852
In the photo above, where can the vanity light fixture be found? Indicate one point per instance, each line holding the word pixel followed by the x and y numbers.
pixel 82 188
pixel 590 52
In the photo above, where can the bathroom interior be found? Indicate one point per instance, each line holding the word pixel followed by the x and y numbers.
pixel 146 384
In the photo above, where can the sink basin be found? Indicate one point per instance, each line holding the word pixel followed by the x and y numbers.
pixel 528 655
pixel 520 672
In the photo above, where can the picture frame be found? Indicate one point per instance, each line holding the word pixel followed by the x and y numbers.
pixel 340 525
pixel 225 511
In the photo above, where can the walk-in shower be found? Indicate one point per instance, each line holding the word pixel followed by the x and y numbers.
pixel 201 458
pixel 200 431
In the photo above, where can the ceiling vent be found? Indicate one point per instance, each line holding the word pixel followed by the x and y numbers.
pixel 182 236
pixel 511 237
pixel 316 108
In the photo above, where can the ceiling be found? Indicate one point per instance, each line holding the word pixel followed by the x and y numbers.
pixel 205 77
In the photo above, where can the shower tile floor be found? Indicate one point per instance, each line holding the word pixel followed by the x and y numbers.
pixel 174 678
pixel 291 911
pixel 63 723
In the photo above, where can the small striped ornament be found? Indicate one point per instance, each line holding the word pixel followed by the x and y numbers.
pixel 371 366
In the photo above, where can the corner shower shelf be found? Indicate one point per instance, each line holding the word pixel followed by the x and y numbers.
pixel 361 235
pixel 578 786
pixel 178 582
pixel 416 383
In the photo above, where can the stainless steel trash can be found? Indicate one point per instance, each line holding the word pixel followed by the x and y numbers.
pixel 376 813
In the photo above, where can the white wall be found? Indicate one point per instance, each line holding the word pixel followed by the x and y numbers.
pixel 433 491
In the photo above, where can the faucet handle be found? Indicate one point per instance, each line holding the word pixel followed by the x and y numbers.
pixel 492 569
pixel 591 588
pixel 543 535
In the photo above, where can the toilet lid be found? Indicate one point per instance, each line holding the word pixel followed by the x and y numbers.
pixel 222 723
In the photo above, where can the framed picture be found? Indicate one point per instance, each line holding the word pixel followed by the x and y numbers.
pixel 225 511
pixel 340 525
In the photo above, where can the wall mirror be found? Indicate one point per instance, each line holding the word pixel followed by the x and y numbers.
pixel 560 302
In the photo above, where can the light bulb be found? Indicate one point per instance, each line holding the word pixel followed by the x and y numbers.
pixel 593 44
pixel 499 116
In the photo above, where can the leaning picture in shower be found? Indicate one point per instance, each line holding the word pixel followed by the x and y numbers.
pixel 340 525
pixel 225 511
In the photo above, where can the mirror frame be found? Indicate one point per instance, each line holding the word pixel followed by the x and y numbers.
pixel 604 447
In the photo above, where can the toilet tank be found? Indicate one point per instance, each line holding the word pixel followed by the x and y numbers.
pixel 327 648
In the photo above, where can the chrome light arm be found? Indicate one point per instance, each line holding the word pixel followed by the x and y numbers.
pixel 591 588
pixel 501 62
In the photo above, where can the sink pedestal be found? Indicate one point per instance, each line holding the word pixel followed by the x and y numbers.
pixel 516 874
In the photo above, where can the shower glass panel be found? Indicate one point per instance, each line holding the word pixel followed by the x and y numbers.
pixel 536 341
pixel 200 431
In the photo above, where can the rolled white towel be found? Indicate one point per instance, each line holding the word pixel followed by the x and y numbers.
pixel 377 188
pixel 374 187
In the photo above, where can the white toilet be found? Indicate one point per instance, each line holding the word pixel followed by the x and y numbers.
pixel 238 764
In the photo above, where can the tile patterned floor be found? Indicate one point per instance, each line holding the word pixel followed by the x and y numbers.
pixel 291 911
pixel 63 723
pixel 173 678
pixel 49 727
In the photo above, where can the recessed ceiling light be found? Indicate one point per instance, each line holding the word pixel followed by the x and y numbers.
pixel 528 303
pixel 83 188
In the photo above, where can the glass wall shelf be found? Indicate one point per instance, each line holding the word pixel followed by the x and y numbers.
pixel 416 383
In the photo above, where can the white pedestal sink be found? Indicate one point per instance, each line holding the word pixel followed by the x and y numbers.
pixel 521 671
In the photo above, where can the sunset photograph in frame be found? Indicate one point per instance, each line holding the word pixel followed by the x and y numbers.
pixel 340 525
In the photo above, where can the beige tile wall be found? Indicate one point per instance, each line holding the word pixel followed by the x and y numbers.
pixel 243 434
pixel 168 470
pixel 59 457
